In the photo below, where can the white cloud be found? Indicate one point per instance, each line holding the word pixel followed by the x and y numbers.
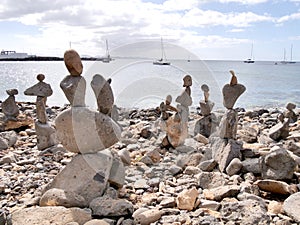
pixel 246 2
pixel 201 18
pixel 294 16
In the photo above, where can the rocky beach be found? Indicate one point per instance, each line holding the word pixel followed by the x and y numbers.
pixel 181 185
pixel 74 165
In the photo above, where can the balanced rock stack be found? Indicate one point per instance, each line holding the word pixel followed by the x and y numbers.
pixel 176 125
pixel 207 124
pixel 88 133
pixel 226 151
pixel 46 136
pixel 9 106
pixel 11 118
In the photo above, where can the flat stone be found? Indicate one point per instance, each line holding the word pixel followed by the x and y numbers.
pixel 103 93
pixel 59 197
pixel 40 89
pixel 274 186
pixel 231 93
pixel 86 175
pixel 219 193
pixel 187 198
pixel 50 215
pixel 80 129
pixel 291 206
pixel 209 180
pixel 108 207
pixel 147 216
pixel 280 130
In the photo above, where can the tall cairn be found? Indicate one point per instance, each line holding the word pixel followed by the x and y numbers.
pixel 176 125
pixel 225 148
pixel 88 133
pixel 207 124
pixel 46 135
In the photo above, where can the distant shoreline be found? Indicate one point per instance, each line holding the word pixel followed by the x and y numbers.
pixel 47 58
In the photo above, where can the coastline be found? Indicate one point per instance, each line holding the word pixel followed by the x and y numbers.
pixel 155 176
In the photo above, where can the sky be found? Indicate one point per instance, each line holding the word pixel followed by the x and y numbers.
pixel 209 29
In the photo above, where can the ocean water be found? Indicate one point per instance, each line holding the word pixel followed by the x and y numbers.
pixel 137 83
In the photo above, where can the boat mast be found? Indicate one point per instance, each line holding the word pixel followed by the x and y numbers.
pixel 107 52
pixel 292 52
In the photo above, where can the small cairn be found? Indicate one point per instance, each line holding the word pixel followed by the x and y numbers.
pixel 206 125
pixel 9 106
pixel 290 114
pixel 11 118
pixel 176 125
pixel 89 133
pixel 46 136
pixel 281 129
pixel 225 148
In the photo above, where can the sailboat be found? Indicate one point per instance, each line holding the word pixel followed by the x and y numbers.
pixel 107 57
pixel 250 60
pixel 163 59
pixel 284 57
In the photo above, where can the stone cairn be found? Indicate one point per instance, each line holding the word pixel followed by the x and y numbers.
pixel 225 148
pixel 89 133
pixel 46 136
pixel 176 124
pixel 9 106
pixel 207 124
pixel 11 118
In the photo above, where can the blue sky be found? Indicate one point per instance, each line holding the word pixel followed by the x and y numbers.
pixel 210 29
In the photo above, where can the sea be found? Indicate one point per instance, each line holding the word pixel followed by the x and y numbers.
pixel 137 83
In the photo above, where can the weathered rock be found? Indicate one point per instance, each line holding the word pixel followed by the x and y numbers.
pixel 125 156
pixel 231 93
pixel 223 156
pixel 147 216
pixel 108 207
pixel 187 198
pixel 228 125
pixel 218 193
pixel 9 106
pixel 86 175
pixel 50 215
pixel 41 89
pixel 248 134
pixel 7 139
pixel 117 173
pixel 277 165
pixel 234 166
pixel 275 187
pixel 176 130
pixel 251 165
pixel 206 125
pixel 74 89
pixel 46 135
pixel 208 165
pixel 208 180
pixel 103 93
pixel 245 212
pixel 280 130
pixel 291 206
pixel 82 130
pixel 22 121
pixel 59 197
